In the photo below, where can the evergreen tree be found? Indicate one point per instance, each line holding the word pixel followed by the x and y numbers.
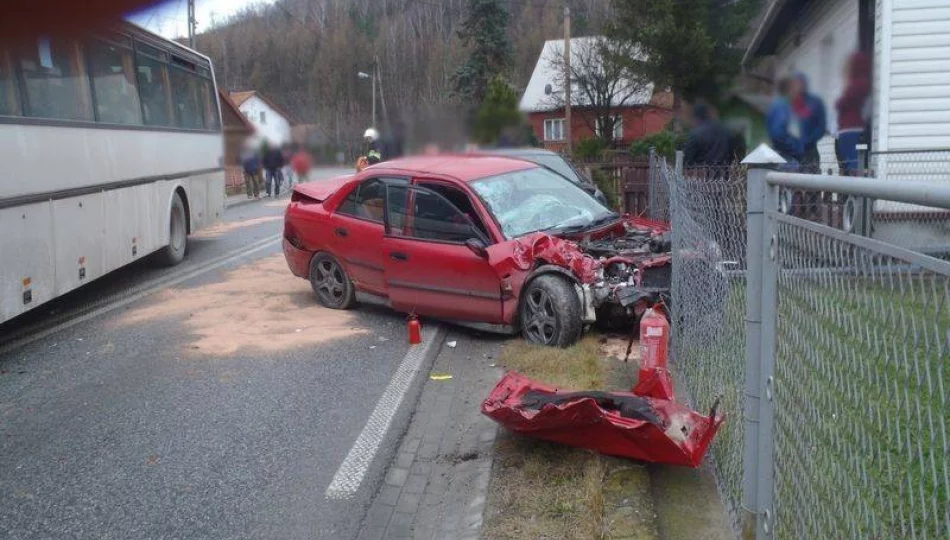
pixel 692 46
pixel 498 113
pixel 485 32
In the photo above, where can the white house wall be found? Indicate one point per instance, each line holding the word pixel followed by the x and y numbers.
pixel 828 36
pixel 276 128
pixel 915 75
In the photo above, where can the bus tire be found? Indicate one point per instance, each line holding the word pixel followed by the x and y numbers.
pixel 174 252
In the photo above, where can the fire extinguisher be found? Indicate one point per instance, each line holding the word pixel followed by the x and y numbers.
pixel 415 330
pixel 654 378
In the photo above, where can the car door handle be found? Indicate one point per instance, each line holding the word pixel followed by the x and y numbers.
pixel 340 231
pixel 398 256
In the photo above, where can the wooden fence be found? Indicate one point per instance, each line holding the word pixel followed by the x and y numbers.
pixel 626 178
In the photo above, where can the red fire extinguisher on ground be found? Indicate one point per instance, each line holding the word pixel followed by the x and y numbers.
pixel 654 378
pixel 415 330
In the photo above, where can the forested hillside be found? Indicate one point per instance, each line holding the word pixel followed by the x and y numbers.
pixel 305 54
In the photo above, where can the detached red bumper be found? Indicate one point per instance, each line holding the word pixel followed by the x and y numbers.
pixel 613 423
pixel 297 259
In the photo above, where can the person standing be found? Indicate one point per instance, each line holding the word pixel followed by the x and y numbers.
pixel 813 125
pixel 301 163
pixel 287 171
pixel 851 107
pixel 783 128
pixel 273 163
pixel 251 162
pixel 708 143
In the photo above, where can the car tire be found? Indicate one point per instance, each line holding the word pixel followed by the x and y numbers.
pixel 551 312
pixel 174 252
pixel 331 285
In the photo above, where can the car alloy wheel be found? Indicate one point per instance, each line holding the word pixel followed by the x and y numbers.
pixel 540 319
pixel 551 312
pixel 330 282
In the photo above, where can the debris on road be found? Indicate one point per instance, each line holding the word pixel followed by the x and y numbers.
pixel 452 344
pixel 620 424
pixel 440 377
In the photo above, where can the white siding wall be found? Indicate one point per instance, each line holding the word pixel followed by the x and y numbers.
pixel 829 34
pixel 916 75
pixel 276 128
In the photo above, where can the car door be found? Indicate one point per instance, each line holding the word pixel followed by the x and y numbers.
pixel 358 226
pixel 429 268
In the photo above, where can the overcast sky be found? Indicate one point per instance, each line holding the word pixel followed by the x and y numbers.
pixel 170 17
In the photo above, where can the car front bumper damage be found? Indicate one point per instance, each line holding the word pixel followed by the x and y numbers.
pixel 621 424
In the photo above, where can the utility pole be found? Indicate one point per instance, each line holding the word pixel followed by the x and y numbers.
pixel 374 94
pixel 568 147
pixel 192 24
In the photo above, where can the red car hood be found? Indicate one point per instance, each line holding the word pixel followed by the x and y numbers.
pixel 321 189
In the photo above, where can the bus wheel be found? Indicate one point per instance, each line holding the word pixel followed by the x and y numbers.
pixel 174 252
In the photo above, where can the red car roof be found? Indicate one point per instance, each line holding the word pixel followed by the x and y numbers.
pixel 463 167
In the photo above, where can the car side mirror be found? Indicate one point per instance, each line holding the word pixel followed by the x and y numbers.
pixel 478 247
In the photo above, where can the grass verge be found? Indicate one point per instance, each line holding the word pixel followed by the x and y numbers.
pixel 542 490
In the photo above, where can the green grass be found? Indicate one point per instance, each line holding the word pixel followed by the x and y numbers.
pixel 861 403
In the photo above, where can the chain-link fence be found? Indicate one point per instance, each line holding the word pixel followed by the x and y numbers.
pixel 860 386
pixel 709 295
pixel 658 189
pixel 830 350
pixel 894 221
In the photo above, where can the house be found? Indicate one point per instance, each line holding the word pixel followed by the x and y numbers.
pixel 909 105
pixel 271 122
pixel 638 113
pixel 909 41
pixel 237 130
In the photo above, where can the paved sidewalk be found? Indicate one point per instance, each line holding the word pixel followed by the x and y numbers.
pixel 435 488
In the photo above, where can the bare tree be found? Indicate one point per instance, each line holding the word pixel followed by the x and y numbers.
pixel 602 81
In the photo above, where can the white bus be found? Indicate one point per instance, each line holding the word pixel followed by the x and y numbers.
pixel 110 150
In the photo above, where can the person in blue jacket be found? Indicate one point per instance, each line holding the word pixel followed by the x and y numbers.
pixel 783 127
pixel 812 120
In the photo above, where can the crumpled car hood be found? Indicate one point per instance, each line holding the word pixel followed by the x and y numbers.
pixel 619 424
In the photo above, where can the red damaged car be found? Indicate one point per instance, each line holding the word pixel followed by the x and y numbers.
pixel 494 243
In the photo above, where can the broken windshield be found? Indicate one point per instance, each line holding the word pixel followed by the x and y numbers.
pixel 538 200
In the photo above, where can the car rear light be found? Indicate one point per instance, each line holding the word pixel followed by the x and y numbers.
pixel 297 197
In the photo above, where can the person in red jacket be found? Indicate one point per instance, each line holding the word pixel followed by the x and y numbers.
pixel 852 109
pixel 301 164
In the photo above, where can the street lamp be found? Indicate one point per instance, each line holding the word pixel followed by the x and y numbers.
pixel 364 75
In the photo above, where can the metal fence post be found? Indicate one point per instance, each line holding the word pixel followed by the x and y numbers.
pixel 652 192
pixel 761 312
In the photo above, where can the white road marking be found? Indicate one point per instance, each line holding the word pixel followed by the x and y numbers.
pixel 350 475
pixel 149 288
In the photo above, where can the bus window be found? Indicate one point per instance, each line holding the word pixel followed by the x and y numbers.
pixel 186 98
pixel 54 81
pixel 117 101
pixel 153 88
pixel 9 102
pixel 209 104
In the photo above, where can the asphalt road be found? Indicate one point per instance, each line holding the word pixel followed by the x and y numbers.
pixel 220 406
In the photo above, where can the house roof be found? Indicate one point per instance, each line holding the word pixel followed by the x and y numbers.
pixel 240 98
pixel 232 117
pixel 778 17
pixel 538 98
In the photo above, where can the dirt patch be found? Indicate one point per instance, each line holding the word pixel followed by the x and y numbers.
pixel 258 306
pixel 225 227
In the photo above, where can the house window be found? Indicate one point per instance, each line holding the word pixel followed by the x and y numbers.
pixel 617 132
pixel 554 129
pixel 263 119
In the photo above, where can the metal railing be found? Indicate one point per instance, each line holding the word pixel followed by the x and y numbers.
pixel 834 346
